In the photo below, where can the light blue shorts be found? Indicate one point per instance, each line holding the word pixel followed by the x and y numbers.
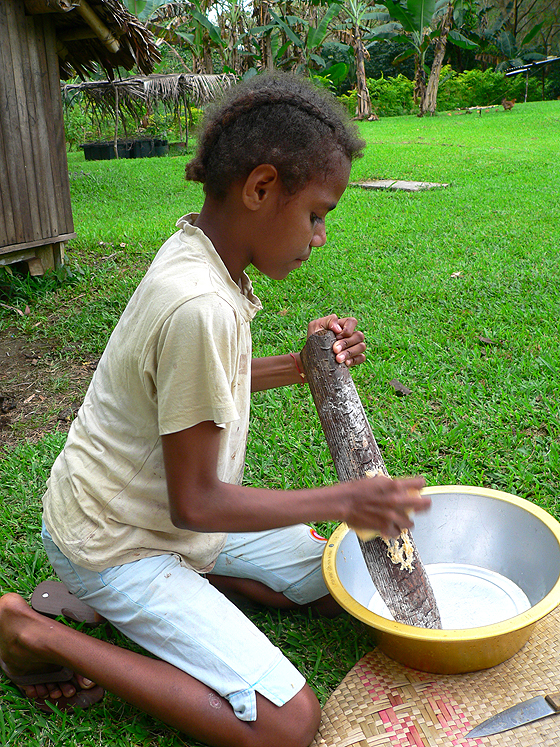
pixel 177 615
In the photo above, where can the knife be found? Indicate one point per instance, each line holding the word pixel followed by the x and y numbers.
pixel 522 713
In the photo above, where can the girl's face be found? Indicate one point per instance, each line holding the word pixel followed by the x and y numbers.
pixel 295 224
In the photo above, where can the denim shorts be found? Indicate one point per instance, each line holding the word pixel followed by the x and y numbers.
pixel 176 614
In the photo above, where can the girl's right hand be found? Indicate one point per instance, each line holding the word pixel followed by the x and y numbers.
pixel 349 347
pixel 382 504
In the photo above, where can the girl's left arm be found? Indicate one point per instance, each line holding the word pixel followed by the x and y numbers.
pixel 283 370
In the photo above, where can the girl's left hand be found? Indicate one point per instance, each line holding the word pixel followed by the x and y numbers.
pixel 349 347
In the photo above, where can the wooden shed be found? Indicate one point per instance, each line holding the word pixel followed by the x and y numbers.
pixel 42 41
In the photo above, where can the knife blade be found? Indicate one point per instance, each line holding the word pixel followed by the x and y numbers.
pixel 522 713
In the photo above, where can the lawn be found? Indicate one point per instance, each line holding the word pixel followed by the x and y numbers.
pixel 456 289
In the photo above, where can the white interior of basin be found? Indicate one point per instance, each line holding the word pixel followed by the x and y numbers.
pixel 465 529
pixel 467 596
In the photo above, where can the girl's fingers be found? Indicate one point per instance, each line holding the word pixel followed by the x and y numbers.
pixel 348 324
pixel 349 347
pixel 351 351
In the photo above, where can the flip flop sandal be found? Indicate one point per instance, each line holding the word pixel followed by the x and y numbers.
pixel 52 598
pixel 82 698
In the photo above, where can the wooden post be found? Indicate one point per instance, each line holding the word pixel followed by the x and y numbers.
pixel 394 565
pixel 116 133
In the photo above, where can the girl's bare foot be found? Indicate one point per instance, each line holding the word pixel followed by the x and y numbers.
pixel 23 651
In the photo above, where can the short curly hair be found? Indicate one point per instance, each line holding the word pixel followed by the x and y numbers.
pixel 281 119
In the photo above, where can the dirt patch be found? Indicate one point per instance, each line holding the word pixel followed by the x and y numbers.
pixel 40 389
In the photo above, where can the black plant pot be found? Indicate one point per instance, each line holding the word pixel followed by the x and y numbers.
pixel 105 151
pixel 161 147
pixel 142 148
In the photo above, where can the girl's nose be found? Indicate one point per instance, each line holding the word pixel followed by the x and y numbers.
pixel 319 235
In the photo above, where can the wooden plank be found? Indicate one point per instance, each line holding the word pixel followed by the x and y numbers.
pixel 51 256
pixel 38 98
pixel 13 178
pixel 27 116
pixel 35 202
pixel 39 242
pixel 17 256
pixel 394 564
pixel 7 227
pixel 8 232
pixel 38 260
pixel 59 159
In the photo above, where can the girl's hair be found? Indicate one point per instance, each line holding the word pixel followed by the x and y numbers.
pixel 280 119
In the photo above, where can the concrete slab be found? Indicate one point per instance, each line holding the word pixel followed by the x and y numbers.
pixel 398 184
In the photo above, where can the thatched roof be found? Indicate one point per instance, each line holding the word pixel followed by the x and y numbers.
pixel 132 94
pixel 97 31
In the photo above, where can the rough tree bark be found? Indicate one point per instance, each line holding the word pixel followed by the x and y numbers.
pixel 363 108
pixel 394 565
pixel 429 101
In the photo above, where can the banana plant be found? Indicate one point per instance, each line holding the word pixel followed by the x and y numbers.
pixel 143 9
pixel 358 14
pixel 331 77
pixel 182 23
pixel 297 38
pixel 517 55
pixel 499 42
pixel 420 24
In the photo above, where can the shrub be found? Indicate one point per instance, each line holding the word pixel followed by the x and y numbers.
pixel 350 101
pixel 391 97
pixel 334 53
pixel 481 88
pixel 552 85
pixel 81 125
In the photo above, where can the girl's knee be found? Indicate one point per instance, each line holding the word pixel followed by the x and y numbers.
pixel 308 715
pixel 292 725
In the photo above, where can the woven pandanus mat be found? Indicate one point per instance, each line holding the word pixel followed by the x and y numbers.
pixel 381 703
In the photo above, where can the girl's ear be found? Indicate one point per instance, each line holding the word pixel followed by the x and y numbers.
pixel 261 182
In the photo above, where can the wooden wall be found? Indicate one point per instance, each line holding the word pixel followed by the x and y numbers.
pixel 35 208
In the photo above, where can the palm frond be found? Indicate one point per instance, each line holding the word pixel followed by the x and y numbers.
pixel 137 45
pixel 135 93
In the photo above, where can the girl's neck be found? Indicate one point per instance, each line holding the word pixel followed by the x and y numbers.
pixel 221 225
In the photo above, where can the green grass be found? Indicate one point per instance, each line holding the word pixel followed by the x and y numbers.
pixel 479 414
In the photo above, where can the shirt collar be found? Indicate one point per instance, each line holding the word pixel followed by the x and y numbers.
pixel 245 287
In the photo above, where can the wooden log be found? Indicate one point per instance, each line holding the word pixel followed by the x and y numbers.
pixel 101 30
pixel 48 6
pixel 394 564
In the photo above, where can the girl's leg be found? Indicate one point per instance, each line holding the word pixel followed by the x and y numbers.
pixel 29 642
pixel 173 612
pixel 256 591
pixel 278 568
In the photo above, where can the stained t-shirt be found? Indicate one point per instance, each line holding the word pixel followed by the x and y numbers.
pixel 179 355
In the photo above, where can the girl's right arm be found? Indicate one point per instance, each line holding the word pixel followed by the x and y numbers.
pixel 199 501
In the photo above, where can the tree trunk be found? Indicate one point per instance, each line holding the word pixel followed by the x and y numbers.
pixel 363 109
pixel 394 565
pixel 430 94
pixel 208 61
pixel 262 16
pixel 419 94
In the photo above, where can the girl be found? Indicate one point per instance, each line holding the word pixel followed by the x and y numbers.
pixel 145 516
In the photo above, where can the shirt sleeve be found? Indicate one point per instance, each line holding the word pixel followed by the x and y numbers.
pixel 197 365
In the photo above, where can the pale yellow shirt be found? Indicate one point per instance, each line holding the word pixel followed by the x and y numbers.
pixel 179 355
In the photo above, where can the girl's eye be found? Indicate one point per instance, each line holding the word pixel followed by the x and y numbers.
pixel 315 219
